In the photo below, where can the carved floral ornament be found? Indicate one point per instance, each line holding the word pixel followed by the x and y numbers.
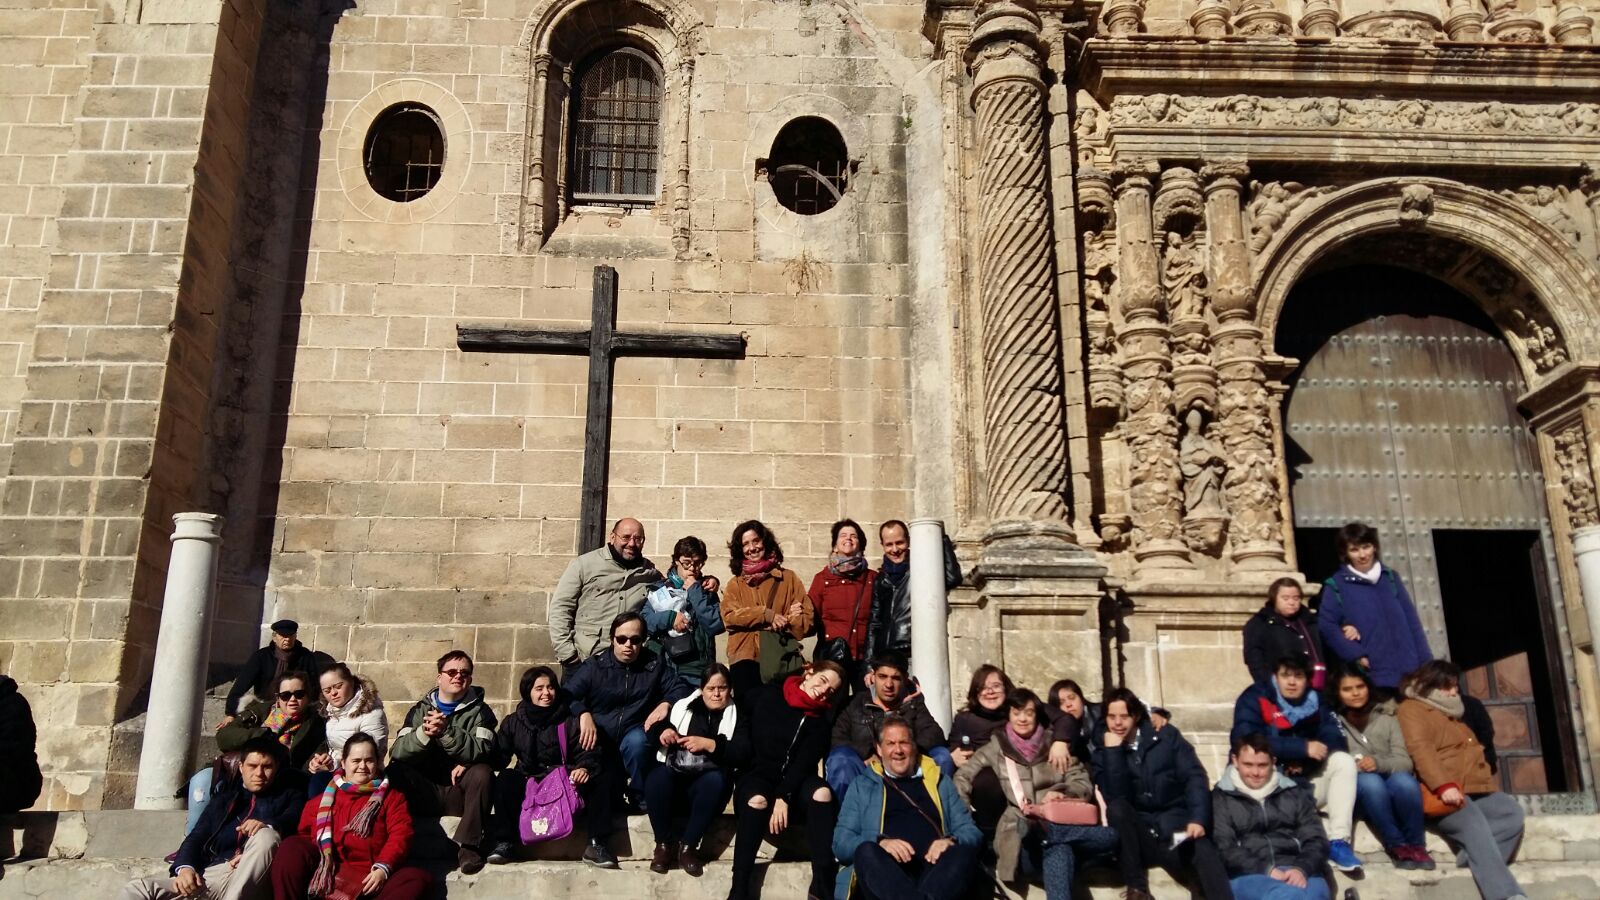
pixel 1368 114
pixel 1577 478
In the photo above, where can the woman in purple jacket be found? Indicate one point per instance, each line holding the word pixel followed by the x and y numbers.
pixel 1367 617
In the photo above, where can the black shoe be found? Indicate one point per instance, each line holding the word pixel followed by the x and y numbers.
pixel 689 860
pixel 469 861
pixel 501 854
pixel 600 856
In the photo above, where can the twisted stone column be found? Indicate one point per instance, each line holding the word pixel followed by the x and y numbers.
pixel 1150 427
pixel 1022 380
pixel 1250 488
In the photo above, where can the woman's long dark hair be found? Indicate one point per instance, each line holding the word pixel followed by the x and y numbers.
pixel 532 675
pixel 736 549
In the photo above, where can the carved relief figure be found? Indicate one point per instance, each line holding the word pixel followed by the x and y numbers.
pixel 1271 206
pixel 1539 339
pixel 1548 203
pixel 1202 465
pixel 1183 275
pixel 1416 205
pixel 1577 484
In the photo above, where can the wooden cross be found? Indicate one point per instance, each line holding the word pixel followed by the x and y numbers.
pixel 602 343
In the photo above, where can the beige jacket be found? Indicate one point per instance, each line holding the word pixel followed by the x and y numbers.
pixel 1037 780
pixel 592 591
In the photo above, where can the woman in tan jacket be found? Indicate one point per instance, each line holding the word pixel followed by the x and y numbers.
pixel 762 597
pixel 1024 842
pixel 1486 825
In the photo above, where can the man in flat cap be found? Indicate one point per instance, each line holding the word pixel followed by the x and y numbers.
pixel 284 654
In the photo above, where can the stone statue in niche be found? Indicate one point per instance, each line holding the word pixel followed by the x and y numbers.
pixel 1183 275
pixel 1202 464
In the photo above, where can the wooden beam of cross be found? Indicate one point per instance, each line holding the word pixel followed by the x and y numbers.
pixel 602 343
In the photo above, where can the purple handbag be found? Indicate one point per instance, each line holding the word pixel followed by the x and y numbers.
pixel 551 803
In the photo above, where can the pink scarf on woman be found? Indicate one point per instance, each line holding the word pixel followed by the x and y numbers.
pixel 1031 747
pixel 757 572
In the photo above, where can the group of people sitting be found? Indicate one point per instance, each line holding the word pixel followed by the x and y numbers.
pixel 848 754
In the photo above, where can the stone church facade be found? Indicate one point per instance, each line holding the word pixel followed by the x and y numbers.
pixel 1027 267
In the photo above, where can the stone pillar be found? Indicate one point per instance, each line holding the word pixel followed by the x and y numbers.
pixel 680 155
pixel 930 633
pixel 1024 420
pixel 1589 183
pixel 178 683
pixel 1244 411
pixel 1586 552
pixel 1150 425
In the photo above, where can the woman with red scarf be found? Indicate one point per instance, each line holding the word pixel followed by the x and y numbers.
pixel 353 840
pixel 789 735
pixel 763 597
pixel 842 595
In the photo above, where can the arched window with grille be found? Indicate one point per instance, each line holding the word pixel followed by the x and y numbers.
pixel 616 129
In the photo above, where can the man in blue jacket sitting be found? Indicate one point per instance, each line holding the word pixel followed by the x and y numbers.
pixel 903 831
pixel 229 852
pixel 1309 746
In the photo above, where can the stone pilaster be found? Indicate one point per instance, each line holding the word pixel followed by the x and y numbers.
pixel 1150 425
pixel 1022 381
pixel 1589 183
pixel 1250 487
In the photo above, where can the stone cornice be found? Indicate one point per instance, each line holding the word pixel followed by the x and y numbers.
pixel 1153 63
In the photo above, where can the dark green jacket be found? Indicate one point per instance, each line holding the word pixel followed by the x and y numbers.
pixel 468 737
pixel 248 725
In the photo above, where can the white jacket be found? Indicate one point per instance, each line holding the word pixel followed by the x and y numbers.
pixel 363 713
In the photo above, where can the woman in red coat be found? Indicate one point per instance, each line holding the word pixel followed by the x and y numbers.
pixel 842 597
pixel 353 839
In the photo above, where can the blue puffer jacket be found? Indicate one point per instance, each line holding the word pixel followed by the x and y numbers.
pixel 861 817
pixel 1392 639
pixel 1257 712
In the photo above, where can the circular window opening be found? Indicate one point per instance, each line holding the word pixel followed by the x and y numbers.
pixel 809 169
pixel 404 152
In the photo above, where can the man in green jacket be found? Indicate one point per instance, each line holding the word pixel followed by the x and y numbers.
pixel 441 757
pixel 597 587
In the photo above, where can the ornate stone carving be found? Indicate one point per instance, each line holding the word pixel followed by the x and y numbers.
pixel 1416 205
pixel 1573 24
pixel 1150 426
pixel 1577 481
pixel 1183 276
pixel 680 189
pixel 1271 204
pixel 1023 400
pixel 1123 17
pixel 1099 287
pixel 1369 114
pixel 1508 24
pixel 1539 338
pixel 1202 465
pixel 1589 183
pixel 1086 133
pixel 1210 18
pixel 1548 203
pixel 1320 19
pixel 1393 25
pixel 1259 18
pixel 1464 22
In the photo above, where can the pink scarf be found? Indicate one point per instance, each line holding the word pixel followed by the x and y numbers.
pixel 1031 747
pixel 757 572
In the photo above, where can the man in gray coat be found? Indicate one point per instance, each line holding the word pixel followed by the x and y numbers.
pixel 597 587
pixel 1266 827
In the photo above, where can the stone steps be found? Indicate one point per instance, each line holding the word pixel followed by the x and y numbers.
pixel 91 854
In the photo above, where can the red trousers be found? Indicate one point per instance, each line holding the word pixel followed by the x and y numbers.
pixel 296 862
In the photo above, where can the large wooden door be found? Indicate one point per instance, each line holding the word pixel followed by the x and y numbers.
pixel 1403 415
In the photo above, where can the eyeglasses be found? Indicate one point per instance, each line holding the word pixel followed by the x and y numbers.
pixel 286 696
pixel 636 640
pixel 690 562
pixel 457 673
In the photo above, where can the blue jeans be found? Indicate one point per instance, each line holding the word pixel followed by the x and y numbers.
pixel 199 796
pixel 637 757
pixel 843 766
pixel 1392 805
pixel 1265 887
pixel 1053 853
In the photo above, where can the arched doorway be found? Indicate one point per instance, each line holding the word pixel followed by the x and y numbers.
pixel 1402 413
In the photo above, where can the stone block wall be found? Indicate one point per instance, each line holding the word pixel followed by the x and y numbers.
pixel 429 498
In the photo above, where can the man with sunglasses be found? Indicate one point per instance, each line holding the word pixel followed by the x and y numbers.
pixel 596 588
pixel 289 717
pixel 441 757
pixel 622 691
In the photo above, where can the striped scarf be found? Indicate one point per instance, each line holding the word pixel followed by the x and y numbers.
pixel 281 725
pixel 360 826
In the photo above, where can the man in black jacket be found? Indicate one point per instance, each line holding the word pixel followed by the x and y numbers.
pixel 1158 798
pixel 284 654
pixel 889 627
pixel 855 731
pixel 229 853
pixel 1267 828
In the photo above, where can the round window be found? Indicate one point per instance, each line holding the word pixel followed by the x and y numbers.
pixel 404 153
pixel 809 169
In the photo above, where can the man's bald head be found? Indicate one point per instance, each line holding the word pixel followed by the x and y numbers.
pixel 627 538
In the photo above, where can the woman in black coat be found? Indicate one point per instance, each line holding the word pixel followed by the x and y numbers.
pixel 532 736
pixel 789 736
pixel 1285 626
pixel 703 740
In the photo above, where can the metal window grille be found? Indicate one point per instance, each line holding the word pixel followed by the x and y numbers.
pixel 617 130
pixel 810 167
pixel 405 153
